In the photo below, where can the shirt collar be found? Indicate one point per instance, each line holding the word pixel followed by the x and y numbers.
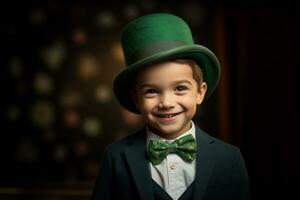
pixel 153 136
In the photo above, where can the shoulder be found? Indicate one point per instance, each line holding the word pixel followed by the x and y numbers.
pixel 119 145
pixel 226 156
pixel 220 147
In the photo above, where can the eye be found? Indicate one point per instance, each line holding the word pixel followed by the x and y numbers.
pixel 150 91
pixel 181 88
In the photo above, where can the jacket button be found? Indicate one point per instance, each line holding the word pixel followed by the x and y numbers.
pixel 173 167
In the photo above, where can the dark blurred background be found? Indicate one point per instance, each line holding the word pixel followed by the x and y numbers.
pixel 58 111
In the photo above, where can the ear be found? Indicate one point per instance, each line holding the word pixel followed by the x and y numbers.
pixel 202 88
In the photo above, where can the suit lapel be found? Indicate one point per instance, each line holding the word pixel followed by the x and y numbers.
pixel 205 163
pixel 135 154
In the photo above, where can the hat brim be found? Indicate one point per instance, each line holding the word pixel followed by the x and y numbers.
pixel 203 56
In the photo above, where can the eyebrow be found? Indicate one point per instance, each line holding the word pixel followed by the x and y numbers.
pixel 182 81
pixel 173 83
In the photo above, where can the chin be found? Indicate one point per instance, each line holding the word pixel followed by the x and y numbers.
pixel 169 131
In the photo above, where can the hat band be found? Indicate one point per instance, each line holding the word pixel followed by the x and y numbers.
pixel 153 49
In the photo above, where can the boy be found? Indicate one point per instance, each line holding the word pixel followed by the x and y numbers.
pixel 166 78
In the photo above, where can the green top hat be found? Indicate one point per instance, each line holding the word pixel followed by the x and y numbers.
pixel 155 38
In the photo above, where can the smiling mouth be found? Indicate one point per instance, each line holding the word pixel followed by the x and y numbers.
pixel 168 115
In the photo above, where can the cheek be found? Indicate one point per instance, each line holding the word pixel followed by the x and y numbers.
pixel 147 105
pixel 189 104
pixel 189 101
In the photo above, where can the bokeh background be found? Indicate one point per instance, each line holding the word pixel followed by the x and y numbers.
pixel 58 111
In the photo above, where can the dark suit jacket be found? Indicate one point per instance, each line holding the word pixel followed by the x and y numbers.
pixel 220 170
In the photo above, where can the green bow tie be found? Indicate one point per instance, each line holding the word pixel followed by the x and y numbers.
pixel 185 147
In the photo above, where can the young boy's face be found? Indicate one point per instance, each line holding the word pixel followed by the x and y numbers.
pixel 167 96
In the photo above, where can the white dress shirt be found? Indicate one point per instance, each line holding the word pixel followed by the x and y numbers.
pixel 173 174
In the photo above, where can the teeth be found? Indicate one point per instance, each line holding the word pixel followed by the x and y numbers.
pixel 167 116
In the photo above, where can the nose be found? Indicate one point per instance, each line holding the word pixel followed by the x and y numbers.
pixel 166 101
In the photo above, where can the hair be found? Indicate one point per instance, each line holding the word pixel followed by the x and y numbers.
pixel 196 69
